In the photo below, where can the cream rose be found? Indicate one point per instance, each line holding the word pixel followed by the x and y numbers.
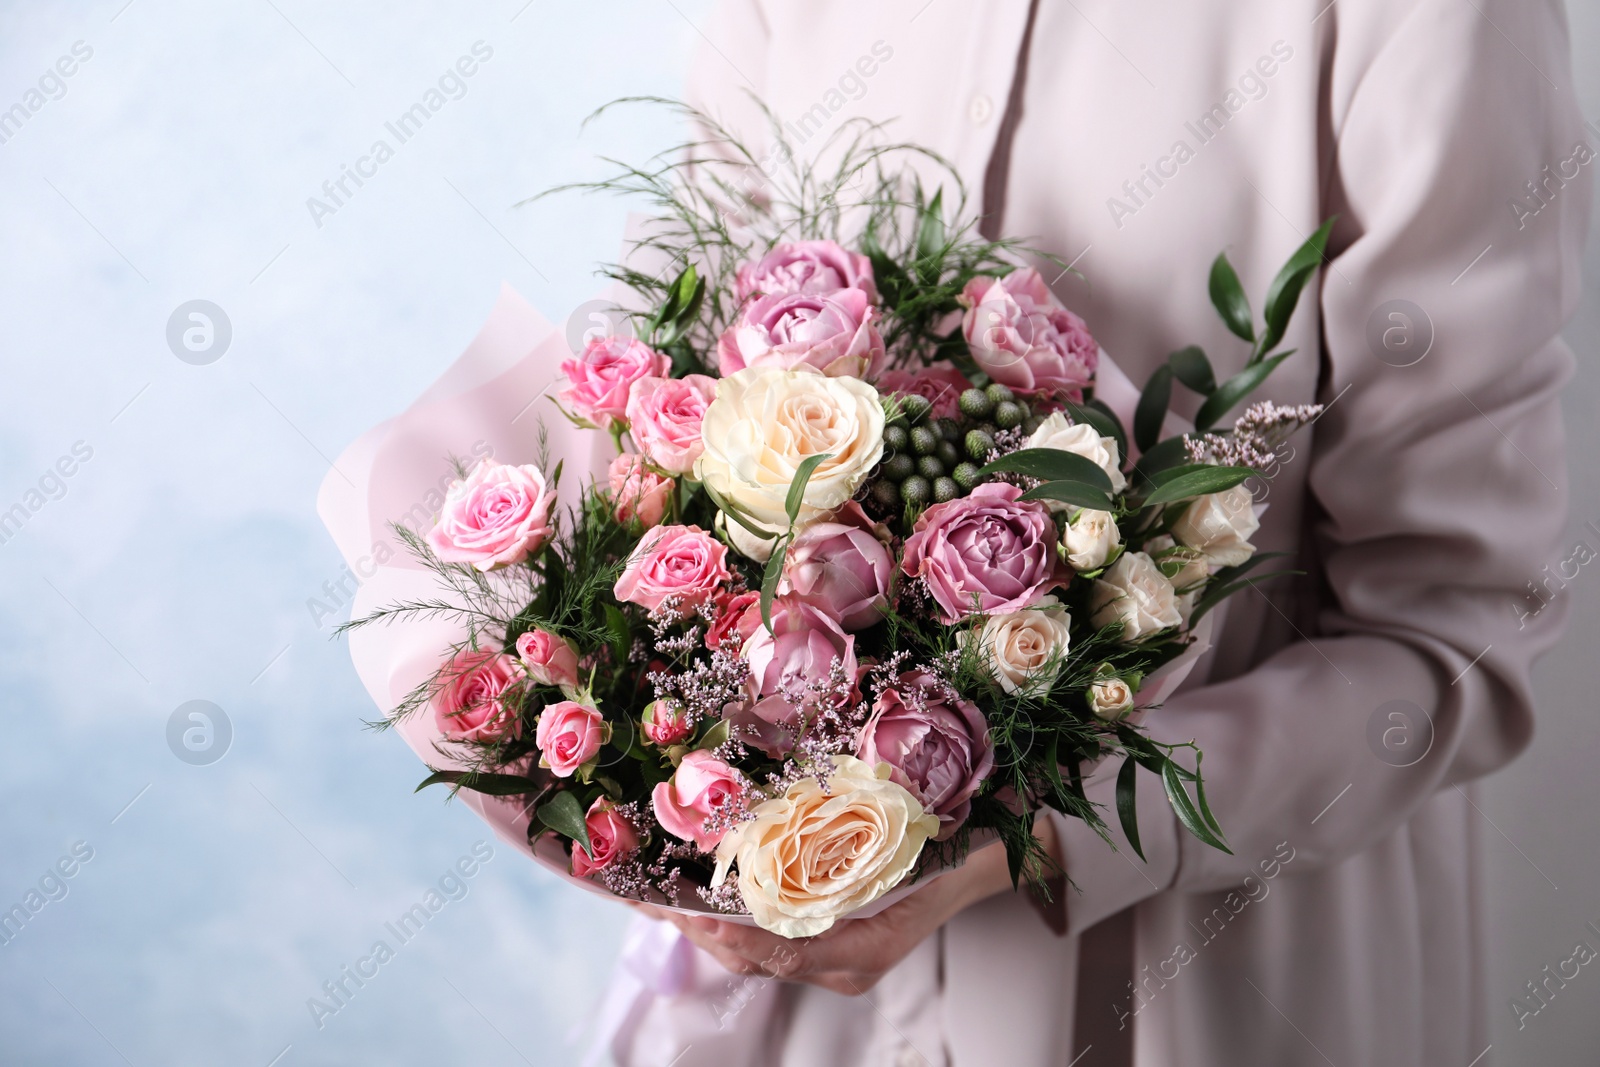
pixel 813 856
pixel 1186 566
pixel 765 422
pixel 1024 650
pixel 1057 431
pixel 1110 699
pixel 1134 593
pixel 1220 525
pixel 1089 539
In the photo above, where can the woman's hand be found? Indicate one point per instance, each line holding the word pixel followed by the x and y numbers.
pixel 851 956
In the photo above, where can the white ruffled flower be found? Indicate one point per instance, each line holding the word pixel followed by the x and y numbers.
pixel 1057 431
pixel 1025 649
pixel 1134 593
pixel 1110 699
pixel 1220 525
pixel 1089 539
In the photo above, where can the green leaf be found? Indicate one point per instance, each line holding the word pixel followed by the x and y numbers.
pixel 621 633
pixel 1168 453
pixel 688 306
pixel 1070 492
pixel 888 275
pixel 1235 389
pixel 1152 409
pixel 797 487
pixel 677 295
pixel 1200 797
pixel 495 785
pixel 1284 293
pixel 931 239
pixel 770 577
pixel 737 514
pixel 1127 806
pixel 714 737
pixel 564 815
pixel 1052 464
pixel 1104 421
pixel 1192 368
pixel 1197 481
pixel 1184 808
pixel 1227 296
pixel 1215 594
pixel 1052 766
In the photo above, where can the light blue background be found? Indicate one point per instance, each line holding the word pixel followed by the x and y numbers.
pixel 178 564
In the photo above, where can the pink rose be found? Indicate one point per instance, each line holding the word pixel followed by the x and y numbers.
pixel 664 416
pixel 500 515
pixel 936 743
pixel 986 552
pixel 804 267
pixel 476 699
pixel 1023 338
pixel 939 383
pixel 665 724
pixel 637 491
pixel 702 786
pixel 804 665
pixel 549 660
pixel 835 333
pixel 598 381
pixel 569 735
pixel 843 566
pixel 673 561
pixel 736 619
pixel 611 838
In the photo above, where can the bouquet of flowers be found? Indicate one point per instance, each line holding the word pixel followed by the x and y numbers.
pixel 874 570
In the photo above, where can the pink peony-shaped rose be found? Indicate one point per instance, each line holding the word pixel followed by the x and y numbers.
pixel 804 267
pixel 737 616
pixel 804 665
pixel 598 381
pixel 664 724
pixel 937 744
pixel 548 659
pixel 683 562
pixel 702 786
pixel 1023 338
pixel 475 699
pixel 843 566
pixel 985 552
pixel 637 492
pixel 664 416
pixel 569 735
pixel 938 383
pixel 611 838
pixel 835 333
pixel 498 516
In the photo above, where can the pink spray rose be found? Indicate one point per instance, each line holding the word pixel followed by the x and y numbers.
pixel 835 333
pixel 736 619
pixel 468 705
pixel 664 416
pixel 936 743
pixel 637 491
pixel 664 724
pixel 611 838
pixel 703 785
pixel 598 380
pixel 498 516
pixel 548 659
pixel 1023 338
pixel 843 566
pixel 804 267
pixel 986 552
pixel 938 383
pixel 673 561
pixel 805 664
pixel 569 735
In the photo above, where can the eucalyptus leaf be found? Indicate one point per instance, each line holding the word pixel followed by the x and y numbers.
pixel 1235 389
pixel 1152 409
pixel 1284 293
pixel 1198 482
pixel 1227 296
pixel 1070 492
pixel 1127 804
pixel 1052 464
pixel 1191 367
pixel 563 814
pixel 1184 808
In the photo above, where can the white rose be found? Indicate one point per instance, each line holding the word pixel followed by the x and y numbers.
pixel 764 422
pixel 1110 699
pixel 743 541
pixel 1025 649
pixel 1220 525
pixel 1089 539
pixel 1135 593
pixel 1191 565
pixel 1056 431
pixel 813 856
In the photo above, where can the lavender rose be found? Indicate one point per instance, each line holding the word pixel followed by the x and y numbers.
pixel 835 333
pixel 1023 338
pixel 804 267
pixel 936 744
pixel 986 552
pixel 843 566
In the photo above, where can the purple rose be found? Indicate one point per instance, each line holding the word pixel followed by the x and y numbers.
pixel 835 333
pixel 842 566
pixel 804 267
pixel 804 666
pixel 936 744
pixel 1023 338
pixel 985 552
